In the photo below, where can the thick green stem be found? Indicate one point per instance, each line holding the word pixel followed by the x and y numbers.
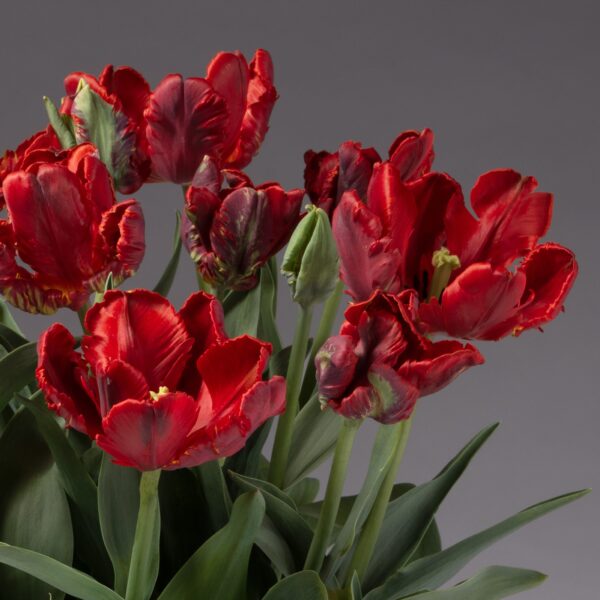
pixel 331 504
pixel 372 528
pixel 143 569
pixel 285 426
pixel 323 332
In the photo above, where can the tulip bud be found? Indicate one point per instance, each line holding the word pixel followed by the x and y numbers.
pixel 311 259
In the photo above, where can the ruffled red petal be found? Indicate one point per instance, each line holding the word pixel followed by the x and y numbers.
pixel 412 154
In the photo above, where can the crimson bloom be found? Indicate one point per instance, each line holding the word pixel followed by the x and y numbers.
pixel 231 232
pixel 380 364
pixel 156 388
pixel 328 175
pixel 485 298
pixel 64 233
pixel 224 115
pixel 121 98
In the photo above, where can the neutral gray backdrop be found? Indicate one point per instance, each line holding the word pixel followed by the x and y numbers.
pixel 504 83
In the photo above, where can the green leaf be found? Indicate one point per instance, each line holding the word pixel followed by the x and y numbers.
pixel 272 543
pixel 315 434
pixel 6 317
pixel 432 571
pixel 213 485
pixel 118 504
pixel 242 312
pixel 11 339
pixel 284 514
pixel 219 567
pixel 267 325
pixel 408 518
pixel 98 123
pixel 247 460
pixel 355 588
pixel 55 574
pixel 381 457
pixel 17 370
pixel 163 287
pixel 34 512
pixel 59 123
pixel 304 585
pixel 492 583
pixel 303 491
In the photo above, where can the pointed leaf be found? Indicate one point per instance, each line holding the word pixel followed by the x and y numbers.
pixel 272 543
pixel 432 571
pixel 303 491
pixel 267 326
pixel 218 568
pixel 242 312
pixel 213 485
pixel 17 370
pixel 63 132
pixel 304 585
pixel 163 287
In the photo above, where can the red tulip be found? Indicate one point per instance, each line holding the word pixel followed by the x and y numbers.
pixel 225 116
pixel 379 364
pixel 156 388
pixel 328 176
pixel 64 233
pixel 125 94
pixel 230 233
pixel 41 147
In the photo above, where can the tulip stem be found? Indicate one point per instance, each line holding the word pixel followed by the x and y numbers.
pixel 323 332
pixel 333 495
pixel 143 569
pixel 285 426
pixel 370 533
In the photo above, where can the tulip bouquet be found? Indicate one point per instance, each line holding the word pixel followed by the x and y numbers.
pixel 135 458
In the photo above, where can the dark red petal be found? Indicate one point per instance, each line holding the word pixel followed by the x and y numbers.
pixel 366 260
pixel 229 434
pixel 186 120
pixel 336 366
pixel 356 168
pixel 130 87
pixel 229 75
pixel 62 376
pixel 357 405
pixel 148 435
pixel 208 176
pixel 320 178
pixel 230 369
pixel 412 154
pixel 51 222
pixel 550 271
pixel 142 329
pixel 394 398
pixel 441 363
pixel 119 381
pixel 261 98
pixel 479 299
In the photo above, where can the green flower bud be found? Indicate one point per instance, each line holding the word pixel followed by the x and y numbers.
pixel 311 259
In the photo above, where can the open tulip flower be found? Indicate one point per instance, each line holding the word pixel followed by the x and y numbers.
pixel 231 232
pixel 87 509
pixel 156 388
pixel 225 115
pixel 380 364
pixel 65 233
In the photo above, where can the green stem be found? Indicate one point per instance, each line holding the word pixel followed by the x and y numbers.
pixel 143 569
pixel 323 332
pixel 285 426
pixel 372 528
pixel 331 504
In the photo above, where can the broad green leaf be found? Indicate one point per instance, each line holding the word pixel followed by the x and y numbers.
pixel 432 571
pixel 17 370
pixel 267 326
pixel 219 567
pixel 304 585
pixel 492 583
pixel 118 504
pixel 355 588
pixel 55 574
pixel 303 491
pixel 272 543
pixel 213 486
pixel 242 312
pixel 408 518
pixel 282 511
pixel 247 460
pixel 6 317
pixel 34 512
pixel 11 339
pixel 381 457
pixel 59 122
pixel 315 433
pixel 163 287
pixel 431 543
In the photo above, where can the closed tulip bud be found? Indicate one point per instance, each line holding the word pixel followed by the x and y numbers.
pixel 311 259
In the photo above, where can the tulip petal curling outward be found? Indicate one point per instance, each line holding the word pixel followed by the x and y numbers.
pixel 157 388
pixel 380 364
pixel 65 233
pixel 225 115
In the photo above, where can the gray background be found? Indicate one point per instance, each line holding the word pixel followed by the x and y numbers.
pixel 508 83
